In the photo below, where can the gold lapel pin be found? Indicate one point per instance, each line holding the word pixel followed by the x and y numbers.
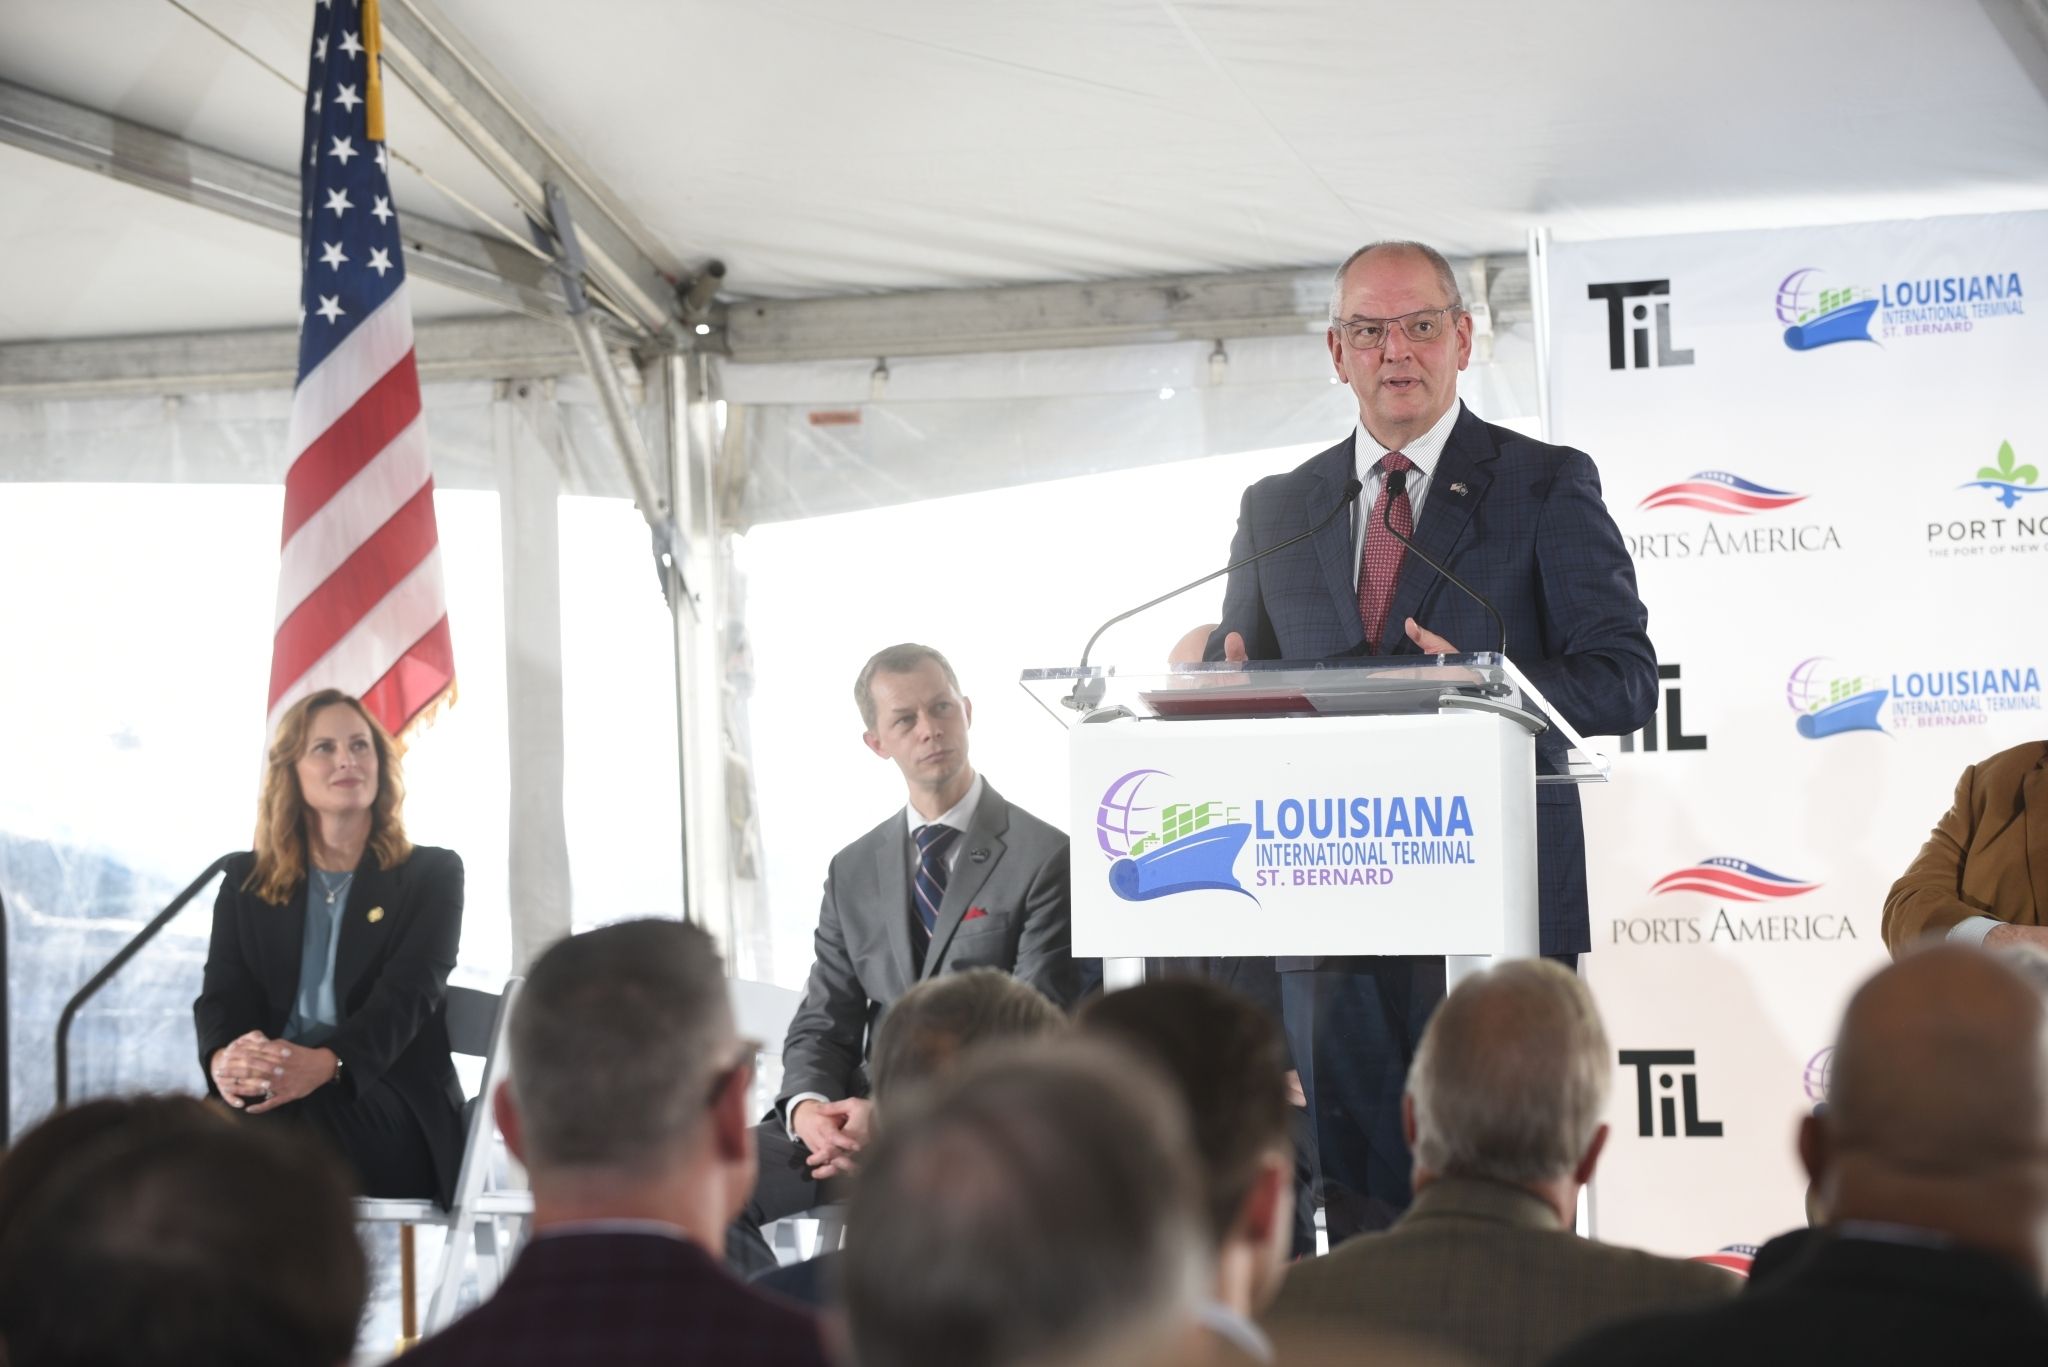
pixel 376 915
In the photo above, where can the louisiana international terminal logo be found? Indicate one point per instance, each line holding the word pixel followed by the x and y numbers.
pixel 1818 310
pixel 1830 703
pixel 1717 491
pixel 1159 850
pixel 2007 481
pixel 1816 314
pixel 1732 880
pixel 1818 1077
pixel 1158 845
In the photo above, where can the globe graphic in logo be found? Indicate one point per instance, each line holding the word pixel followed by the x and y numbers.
pixel 1819 1072
pixel 1793 295
pixel 1802 693
pixel 1118 820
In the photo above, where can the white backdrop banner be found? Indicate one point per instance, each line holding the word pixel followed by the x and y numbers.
pixel 1824 447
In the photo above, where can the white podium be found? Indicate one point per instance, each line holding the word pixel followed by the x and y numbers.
pixel 1371 806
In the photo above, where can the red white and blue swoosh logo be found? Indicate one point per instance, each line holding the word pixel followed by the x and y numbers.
pixel 1717 491
pixel 1736 880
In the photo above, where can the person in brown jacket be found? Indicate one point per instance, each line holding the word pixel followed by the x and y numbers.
pixel 1503 1112
pixel 1982 876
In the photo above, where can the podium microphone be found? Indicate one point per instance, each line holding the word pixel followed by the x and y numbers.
pixel 1397 485
pixel 1086 693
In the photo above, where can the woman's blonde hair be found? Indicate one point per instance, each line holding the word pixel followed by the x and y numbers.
pixel 281 810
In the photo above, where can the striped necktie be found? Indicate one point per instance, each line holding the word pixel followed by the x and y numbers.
pixel 932 843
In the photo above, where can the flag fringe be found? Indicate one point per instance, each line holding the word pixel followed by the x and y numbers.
pixel 425 718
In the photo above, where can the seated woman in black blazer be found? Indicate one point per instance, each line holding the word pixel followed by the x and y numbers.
pixel 332 943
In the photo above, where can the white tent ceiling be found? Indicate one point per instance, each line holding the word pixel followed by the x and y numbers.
pixel 823 148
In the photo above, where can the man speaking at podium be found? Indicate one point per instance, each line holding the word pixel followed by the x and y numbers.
pixel 1519 521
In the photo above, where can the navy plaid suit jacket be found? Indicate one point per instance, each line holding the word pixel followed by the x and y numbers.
pixel 1529 532
pixel 625 1300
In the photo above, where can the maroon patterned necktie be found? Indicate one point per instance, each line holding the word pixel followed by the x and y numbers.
pixel 1380 565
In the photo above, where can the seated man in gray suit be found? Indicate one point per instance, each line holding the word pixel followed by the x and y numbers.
pixel 1502 1113
pixel 959 878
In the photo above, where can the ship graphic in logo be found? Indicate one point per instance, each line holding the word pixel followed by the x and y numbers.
pixel 1159 850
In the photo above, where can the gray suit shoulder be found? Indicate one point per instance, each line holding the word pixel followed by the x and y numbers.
pixel 1028 830
pixel 890 829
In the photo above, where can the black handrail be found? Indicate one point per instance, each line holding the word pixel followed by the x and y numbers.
pixel 6 1096
pixel 113 966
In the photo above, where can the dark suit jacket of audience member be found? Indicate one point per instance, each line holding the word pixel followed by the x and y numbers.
pixel 1987 857
pixel 1012 869
pixel 624 1300
pixel 1484 1269
pixel 1851 1301
pixel 390 983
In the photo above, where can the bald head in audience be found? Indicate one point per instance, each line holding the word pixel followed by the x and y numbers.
pixel 1937 1113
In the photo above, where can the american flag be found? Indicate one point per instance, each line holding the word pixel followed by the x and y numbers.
pixel 360 605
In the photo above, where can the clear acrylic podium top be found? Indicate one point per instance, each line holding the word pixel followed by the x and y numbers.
pixel 1401 685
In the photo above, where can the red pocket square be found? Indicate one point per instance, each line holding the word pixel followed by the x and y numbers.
pixel 975 913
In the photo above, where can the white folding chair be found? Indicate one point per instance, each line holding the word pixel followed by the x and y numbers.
pixel 491 1216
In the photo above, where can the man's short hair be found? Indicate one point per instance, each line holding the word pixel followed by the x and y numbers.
pixel 907 658
pixel 1036 1206
pixel 616 1041
pixel 230 1245
pixel 1445 276
pixel 1511 1077
pixel 1228 1060
pixel 933 1023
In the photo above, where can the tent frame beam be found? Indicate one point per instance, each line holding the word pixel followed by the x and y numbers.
pixel 1050 317
pixel 482 266
pixel 508 348
pixel 455 81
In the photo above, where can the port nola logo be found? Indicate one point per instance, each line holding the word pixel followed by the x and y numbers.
pixel 2004 520
pixel 1818 311
pixel 1725 879
pixel 1159 848
pixel 1731 501
pixel 1829 701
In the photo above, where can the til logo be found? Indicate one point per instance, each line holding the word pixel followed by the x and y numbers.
pixel 1630 324
pixel 1663 1076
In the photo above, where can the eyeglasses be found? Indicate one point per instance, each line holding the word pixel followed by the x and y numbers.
pixel 1370 334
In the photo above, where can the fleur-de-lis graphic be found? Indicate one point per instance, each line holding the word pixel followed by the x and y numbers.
pixel 2008 479
pixel 2006 472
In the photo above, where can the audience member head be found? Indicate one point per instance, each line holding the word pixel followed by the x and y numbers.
pixel 183 1240
pixel 934 1023
pixel 1039 1205
pixel 1228 1060
pixel 1509 1083
pixel 311 735
pixel 627 1093
pixel 1937 1113
pixel 63 1137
